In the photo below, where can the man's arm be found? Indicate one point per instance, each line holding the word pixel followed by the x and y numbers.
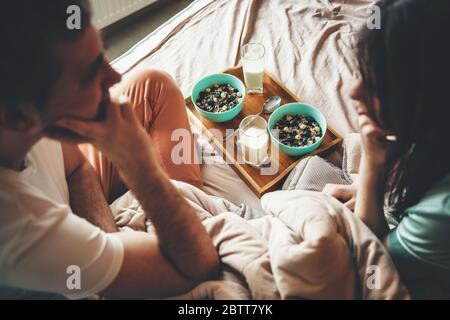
pixel 86 196
pixel 182 239
pixel 146 273
pixel 175 260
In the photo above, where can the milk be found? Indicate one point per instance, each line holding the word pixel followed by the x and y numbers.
pixel 254 80
pixel 254 76
pixel 254 145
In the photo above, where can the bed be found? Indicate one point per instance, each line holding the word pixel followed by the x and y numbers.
pixel 309 48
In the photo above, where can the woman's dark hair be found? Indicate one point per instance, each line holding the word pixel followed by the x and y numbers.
pixel 29 29
pixel 406 64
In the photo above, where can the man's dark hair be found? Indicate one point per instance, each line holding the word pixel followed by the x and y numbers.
pixel 29 29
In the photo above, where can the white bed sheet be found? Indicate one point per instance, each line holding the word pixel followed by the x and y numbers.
pixel 310 48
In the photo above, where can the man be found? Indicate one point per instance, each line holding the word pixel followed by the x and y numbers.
pixel 54 82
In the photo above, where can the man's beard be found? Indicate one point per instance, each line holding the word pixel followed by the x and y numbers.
pixel 56 131
pixel 102 109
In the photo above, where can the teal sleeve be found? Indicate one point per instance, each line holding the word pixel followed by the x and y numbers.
pixel 423 280
pixel 420 245
pixel 424 232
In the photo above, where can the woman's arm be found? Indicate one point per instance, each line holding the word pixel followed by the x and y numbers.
pixel 370 198
pixel 373 172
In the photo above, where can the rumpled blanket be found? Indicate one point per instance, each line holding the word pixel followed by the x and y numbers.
pixel 305 245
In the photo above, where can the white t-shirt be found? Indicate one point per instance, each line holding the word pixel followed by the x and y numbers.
pixel 40 236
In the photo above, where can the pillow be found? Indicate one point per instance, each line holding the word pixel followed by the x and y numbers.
pixel 313 173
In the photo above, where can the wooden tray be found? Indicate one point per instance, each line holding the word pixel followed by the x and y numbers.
pixel 260 184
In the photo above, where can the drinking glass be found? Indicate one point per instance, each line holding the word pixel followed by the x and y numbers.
pixel 252 55
pixel 254 140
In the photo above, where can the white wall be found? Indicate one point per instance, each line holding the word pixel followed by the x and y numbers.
pixel 106 12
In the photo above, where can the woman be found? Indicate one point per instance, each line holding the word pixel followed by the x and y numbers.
pixel 403 114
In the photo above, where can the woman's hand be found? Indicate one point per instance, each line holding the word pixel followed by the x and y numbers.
pixel 372 174
pixel 375 142
pixel 344 193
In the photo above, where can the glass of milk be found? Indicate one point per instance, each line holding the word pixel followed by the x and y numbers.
pixel 254 140
pixel 252 55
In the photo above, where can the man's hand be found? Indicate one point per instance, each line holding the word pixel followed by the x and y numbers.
pixel 344 193
pixel 182 238
pixel 120 137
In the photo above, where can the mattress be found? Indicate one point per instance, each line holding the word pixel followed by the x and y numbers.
pixel 310 48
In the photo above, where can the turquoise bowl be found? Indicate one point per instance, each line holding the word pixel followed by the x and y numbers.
pixel 209 81
pixel 293 109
